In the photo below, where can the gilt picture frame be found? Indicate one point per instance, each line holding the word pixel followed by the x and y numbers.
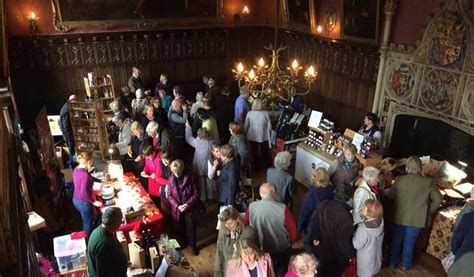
pixel 299 15
pixel 109 14
pixel 360 20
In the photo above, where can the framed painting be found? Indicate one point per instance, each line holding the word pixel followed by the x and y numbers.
pixel 360 20
pixel 68 14
pixel 299 15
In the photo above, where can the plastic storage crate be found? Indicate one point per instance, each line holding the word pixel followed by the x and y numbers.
pixel 70 253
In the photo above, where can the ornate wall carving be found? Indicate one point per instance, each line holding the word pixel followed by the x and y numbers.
pixel 45 70
pixel 436 79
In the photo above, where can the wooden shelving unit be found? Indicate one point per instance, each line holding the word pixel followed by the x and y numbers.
pixel 103 87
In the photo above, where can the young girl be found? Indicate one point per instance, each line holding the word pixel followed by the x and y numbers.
pixel 83 199
pixel 368 240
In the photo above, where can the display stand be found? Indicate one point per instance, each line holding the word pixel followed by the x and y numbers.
pixel 99 87
pixel 88 121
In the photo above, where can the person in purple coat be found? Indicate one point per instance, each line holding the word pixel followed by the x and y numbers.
pixel 183 196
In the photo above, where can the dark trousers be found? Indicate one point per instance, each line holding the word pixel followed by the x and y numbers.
pixel 280 262
pixel 72 150
pixel 332 266
pixel 261 154
pixel 404 239
pixel 185 229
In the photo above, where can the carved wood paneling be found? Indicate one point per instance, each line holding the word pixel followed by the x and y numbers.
pixel 45 70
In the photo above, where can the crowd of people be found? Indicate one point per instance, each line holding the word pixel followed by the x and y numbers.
pixel 342 219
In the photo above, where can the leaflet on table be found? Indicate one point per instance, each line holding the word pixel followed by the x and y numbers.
pixel 315 119
pixel 358 140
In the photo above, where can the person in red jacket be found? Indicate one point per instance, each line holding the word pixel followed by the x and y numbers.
pixel 153 172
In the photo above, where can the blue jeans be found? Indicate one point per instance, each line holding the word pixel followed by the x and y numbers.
pixel 404 239
pixel 86 210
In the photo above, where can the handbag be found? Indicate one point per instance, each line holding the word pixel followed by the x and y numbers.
pixel 448 261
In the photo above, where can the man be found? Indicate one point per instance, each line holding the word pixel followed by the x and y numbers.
pixel 124 135
pixel 162 138
pixel 275 226
pixel 66 129
pixel 135 82
pixel 242 105
pixel 224 104
pixel 330 237
pixel 105 256
pixel 178 94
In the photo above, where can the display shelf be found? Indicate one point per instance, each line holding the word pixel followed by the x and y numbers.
pixel 90 134
pixel 100 87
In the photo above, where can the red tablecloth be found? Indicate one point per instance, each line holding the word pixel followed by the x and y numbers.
pixel 152 220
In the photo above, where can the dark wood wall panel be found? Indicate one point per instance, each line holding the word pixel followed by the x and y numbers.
pixel 46 70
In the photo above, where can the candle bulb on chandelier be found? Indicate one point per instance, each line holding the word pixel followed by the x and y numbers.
pixel 246 10
pixel 261 62
pixel 251 75
pixel 32 16
pixel 240 68
pixel 311 71
pixel 294 64
pixel 319 29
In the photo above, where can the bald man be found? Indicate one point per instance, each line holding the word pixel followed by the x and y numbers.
pixel 66 129
pixel 275 226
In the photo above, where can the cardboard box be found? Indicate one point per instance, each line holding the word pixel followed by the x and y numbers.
pixel 123 241
pixel 136 254
pixel 154 258
pixel 133 236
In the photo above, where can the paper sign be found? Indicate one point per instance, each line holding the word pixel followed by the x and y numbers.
pixel 358 140
pixel 315 119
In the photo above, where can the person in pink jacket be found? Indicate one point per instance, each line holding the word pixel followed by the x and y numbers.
pixel 250 262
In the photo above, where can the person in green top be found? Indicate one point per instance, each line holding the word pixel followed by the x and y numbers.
pixel 209 123
pixel 105 256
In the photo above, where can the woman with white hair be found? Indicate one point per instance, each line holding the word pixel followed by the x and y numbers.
pixel 258 127
pixel 415 198
pixel 283 181
pixel 161 137
pixel 303 265
pixel 139 104
pixel 368 189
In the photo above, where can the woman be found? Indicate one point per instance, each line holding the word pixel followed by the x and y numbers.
pixel 368 239
pixel 344 171
pixel 321 190
pixel 152 171
pixel 283 181
pixel 83 198
pixel 148 116
pixel 196 105
pixel 162 85
pixel 258 128
pixel 161 116
pixel 209 123
pixel 370 128
pixel 330 237
pixel 250 262
pixel 415 199
pixel 303 265
pixel 386 167
pixel 139 104
pixel 183 196
pixel 137 144
pixel 203 151
pixel 214 163
pixel 368 189
pixel 230 176
pixel 231 232
pixel 241 146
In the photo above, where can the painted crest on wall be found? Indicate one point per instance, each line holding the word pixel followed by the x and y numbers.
pixel 439 90
pixel 449 43
pixel 402 80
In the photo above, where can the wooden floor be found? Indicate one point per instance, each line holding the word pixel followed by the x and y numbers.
pixel 425 265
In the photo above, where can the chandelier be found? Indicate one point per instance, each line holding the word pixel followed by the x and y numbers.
pixel 271 82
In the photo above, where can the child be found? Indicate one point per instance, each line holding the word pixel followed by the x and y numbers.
pixel 368 239
pixel 303 265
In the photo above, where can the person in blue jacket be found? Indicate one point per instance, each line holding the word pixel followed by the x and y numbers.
pixel 320 190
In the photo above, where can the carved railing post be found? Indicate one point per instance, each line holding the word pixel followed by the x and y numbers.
pixel 389 10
